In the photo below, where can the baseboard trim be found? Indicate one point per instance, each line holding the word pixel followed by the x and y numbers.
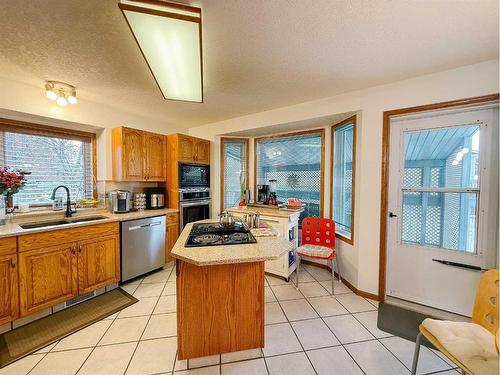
pixel 360 293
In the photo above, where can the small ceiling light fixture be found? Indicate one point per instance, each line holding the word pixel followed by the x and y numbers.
pixel 61 92
pixel 169 37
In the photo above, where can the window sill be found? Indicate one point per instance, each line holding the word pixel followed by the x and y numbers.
pixel 345 239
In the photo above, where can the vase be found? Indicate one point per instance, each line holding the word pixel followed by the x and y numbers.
pixel 9 203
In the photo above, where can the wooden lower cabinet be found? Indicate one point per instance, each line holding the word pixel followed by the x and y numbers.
pixel 48 276
pixel 9 288
pixel 172 235
pixel 98 263
pixel 59 265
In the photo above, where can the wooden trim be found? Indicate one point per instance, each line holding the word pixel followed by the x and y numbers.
pixel 321 132
pixel 353 120
pixel 160 13
pixel 124 7
pixel 23 127
pixel 44 130
pixel 247 161
pixel 171 5
pixel 347 283
pixel 385 168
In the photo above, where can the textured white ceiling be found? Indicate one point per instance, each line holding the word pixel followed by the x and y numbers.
pixel 258 54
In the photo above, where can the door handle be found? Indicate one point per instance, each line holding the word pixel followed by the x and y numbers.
pixel 460 265
pixel 391 214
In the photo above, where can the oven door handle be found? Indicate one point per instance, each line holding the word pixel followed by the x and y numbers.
pixel 198 203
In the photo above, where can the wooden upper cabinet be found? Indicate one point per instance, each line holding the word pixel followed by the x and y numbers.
pixel 138 155
pixel 202 151
pixel 191 149
pixel 48 276
pixel 185 148
pixel 98 263
pixel 9 287
pixel 155 158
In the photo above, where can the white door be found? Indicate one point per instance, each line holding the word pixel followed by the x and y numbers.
pixel 443 206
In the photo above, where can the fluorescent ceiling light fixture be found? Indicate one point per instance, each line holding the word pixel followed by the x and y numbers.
pixel 169 36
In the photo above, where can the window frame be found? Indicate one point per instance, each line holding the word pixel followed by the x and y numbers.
pixel 222 165
pixel 23 127
pixel 321 132
pixel 351 120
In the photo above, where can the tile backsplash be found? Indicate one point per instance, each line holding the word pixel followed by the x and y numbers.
pixel 104 187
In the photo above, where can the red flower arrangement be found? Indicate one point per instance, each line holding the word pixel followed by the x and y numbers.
pixel 11 180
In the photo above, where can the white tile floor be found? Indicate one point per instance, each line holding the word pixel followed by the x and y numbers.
pixel 307 332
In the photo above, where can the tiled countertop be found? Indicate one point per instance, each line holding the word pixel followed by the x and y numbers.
pixel 12 227
pixel 266 248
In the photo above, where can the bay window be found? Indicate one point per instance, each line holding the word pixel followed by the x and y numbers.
pixel 343 173
pixel 234 170
pixel 295 161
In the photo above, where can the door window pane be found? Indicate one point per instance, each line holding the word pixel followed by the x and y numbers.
pixel 343 153
pixel 234 172
pixel 444 220
pixel 295 163
pixel 447 158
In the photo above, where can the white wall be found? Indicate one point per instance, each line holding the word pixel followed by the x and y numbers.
pixel 23 101
pixel 360 262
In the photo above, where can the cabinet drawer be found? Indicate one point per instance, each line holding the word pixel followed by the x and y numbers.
pixel 40 240
pixel 8 245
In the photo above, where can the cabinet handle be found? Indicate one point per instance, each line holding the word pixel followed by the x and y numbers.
pixel 12 263
pixel 80 248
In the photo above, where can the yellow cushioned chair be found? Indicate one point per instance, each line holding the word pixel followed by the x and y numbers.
pixel 470 345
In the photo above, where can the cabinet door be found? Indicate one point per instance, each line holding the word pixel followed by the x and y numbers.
pixel 9 290
pixel 47 277
pixel 133 155
pixel 98 263
pixel 186 148
pixel 172 235
pixel 155 159
pixel 202 151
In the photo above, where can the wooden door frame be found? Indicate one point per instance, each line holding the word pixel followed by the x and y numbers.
pixel 385 168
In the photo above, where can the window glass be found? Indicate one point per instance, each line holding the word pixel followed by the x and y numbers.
pixel 441 187
pixel 52 161
pixel 234 172
pixel 343 153
pixel 295 163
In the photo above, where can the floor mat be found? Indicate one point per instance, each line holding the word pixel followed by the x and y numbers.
pixel 33 336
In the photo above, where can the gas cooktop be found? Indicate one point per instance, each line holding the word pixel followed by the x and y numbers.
pixel 215 234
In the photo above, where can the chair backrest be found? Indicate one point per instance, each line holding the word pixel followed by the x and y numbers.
pixel 318 231
pixel 486 309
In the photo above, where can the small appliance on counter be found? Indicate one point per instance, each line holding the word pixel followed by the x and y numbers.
pixel 214 234
pixel 120 201
pixel 262 194
pixel 273 200
pixel 155 198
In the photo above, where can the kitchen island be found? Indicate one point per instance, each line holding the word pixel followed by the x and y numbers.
pixel 220 295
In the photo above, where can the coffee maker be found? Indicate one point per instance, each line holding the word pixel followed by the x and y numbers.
pixel 262 194
pixel 273 199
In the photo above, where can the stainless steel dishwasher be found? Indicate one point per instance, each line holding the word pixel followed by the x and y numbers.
pixel 142 246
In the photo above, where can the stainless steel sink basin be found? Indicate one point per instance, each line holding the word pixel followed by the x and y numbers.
pixel 51 223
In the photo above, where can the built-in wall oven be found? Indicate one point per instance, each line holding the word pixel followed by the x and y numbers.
pixel 194 204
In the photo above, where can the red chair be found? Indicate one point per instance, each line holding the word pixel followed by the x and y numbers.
pixel 318 242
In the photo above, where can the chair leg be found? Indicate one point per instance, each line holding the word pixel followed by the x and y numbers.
pixel 333 277
pixel 416 353
pixel 338 268
pixel 297 270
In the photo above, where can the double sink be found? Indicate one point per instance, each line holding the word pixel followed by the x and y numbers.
pixel 61 222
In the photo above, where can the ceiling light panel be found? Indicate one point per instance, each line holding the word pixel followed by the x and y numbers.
pixel 169 36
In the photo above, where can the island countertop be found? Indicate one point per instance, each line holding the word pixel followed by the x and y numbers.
pixel 264 211
pixel 266 248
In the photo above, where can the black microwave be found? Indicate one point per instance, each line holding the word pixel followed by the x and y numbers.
pixel 194 175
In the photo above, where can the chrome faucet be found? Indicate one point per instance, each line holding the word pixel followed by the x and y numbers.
pixel 69 211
